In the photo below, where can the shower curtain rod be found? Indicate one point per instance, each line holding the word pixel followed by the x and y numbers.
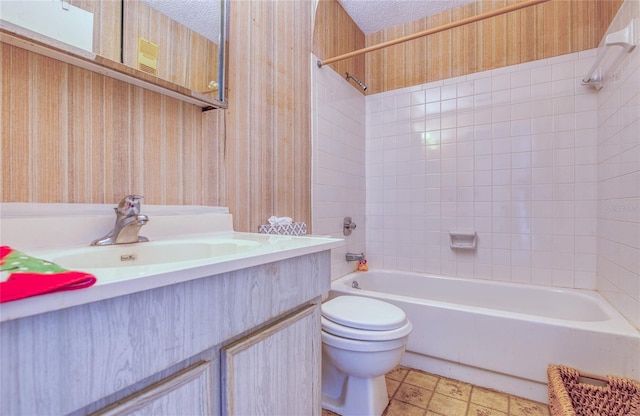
pixel 452 25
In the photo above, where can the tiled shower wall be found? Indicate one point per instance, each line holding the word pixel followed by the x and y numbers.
pixel 510 154
pixel 545 170
pixel 619 180
pixel 338 163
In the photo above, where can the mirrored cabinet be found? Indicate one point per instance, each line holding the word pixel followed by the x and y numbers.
pixel 175 47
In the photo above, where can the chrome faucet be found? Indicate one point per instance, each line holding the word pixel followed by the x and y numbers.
pixel 128 223
pixel 354 256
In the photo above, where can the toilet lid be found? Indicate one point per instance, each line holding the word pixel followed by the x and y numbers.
pixel 364 313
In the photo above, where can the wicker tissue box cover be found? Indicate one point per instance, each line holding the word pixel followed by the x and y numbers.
pixel 569 396
pixel 296 228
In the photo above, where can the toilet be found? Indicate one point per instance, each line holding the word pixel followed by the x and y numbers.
pixel 362 340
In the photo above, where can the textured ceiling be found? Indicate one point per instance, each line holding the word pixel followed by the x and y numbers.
pixel 374 15
pixel 202 16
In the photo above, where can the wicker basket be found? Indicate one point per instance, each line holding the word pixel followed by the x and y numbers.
pixel 575 394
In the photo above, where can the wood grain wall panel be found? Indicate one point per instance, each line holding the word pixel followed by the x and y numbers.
pixel 513 47
pixel 212 152
pixel 558 29
pixel 463 53
pixel 71 135
pixel 50 150
pixel 120 166
pixel 530 45
pixel 415 54
pixel 374 80
pixel 301 164
pixel 15 129
pixel 284 146
pixel 438 48
pixel 268 145
pixel 336 33
pixel 550 29
pixel 394 74
pixel 105 138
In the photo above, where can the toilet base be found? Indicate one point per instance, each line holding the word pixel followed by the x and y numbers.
pixel 359 397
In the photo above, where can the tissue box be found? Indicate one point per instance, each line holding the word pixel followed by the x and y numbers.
pixel 296 228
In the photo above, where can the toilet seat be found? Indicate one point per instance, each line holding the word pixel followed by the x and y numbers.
pixel 365 319
pixel 355 334
pixel 357 345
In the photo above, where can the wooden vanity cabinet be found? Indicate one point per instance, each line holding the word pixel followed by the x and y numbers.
pixel 245 342
pixel 274 371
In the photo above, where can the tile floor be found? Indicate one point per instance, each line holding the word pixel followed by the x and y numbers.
pixel 416 393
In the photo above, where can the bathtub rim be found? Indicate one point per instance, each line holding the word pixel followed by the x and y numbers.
pixel 616 324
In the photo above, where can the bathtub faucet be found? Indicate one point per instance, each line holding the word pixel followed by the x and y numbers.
pixel 128 223
pixel 354 256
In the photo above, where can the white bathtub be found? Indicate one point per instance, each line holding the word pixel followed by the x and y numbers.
pixel 502 335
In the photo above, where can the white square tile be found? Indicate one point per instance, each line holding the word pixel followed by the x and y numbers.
pixel 541 139
pixel 520 78
pixel 563 70
pixel 448 92
pixel 541 75
pixel 432 95
pixel 501 82
pixel 417 97
pixel 465 89
pixel 482 85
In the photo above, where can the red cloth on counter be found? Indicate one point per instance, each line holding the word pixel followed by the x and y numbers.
pixel 30 276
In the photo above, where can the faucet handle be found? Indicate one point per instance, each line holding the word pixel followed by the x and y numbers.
pixel 129 206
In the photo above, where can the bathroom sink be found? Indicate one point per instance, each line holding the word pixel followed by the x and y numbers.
pixel 146 254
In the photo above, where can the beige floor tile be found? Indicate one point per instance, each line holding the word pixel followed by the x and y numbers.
pixel 421 379
pixel 454 388
pixel 489 398
pixel 447 406
pixel 392 386
pixel 413 395
pixel 398 373
pixel 398 408
pixel 523 407
pixel 477 410
pixel 417 393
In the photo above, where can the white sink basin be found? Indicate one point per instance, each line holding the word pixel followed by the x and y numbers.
pixel 151 253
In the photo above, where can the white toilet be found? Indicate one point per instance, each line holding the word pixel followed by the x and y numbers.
pixel 362 340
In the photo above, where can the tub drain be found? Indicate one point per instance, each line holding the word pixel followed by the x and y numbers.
pixel 355 284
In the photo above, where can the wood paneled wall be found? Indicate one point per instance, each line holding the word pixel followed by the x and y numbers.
pixel 335 33
pixel 543 31
pixel 550 29
pixel 72 135
pixel 268 132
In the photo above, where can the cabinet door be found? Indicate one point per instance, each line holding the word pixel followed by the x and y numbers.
pixel 275 371
pixel 188 392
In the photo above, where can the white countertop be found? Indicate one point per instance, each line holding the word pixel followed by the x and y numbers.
pixel 59 234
